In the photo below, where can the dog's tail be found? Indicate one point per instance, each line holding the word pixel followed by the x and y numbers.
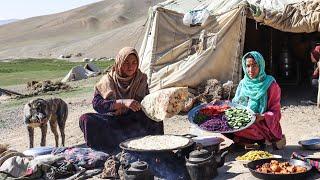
pixel 63 115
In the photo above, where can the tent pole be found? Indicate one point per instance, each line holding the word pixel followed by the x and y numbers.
pixel 271 52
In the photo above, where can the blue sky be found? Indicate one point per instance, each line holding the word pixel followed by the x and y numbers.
pixel 21 9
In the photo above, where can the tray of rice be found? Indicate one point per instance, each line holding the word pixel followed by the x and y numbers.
pixel 221 117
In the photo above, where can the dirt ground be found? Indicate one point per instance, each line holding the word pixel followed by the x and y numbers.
pixel 298 122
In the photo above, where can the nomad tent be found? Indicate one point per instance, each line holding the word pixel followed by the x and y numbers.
pixel 82 72
pixel 175 53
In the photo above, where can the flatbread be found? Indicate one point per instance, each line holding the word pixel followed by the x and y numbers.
pixel 158 142
pixel 164 103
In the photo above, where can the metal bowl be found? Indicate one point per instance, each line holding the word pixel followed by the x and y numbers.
pixel 194 112
pixel 311 144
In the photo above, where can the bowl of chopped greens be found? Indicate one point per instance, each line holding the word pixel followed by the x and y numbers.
pixel 221 117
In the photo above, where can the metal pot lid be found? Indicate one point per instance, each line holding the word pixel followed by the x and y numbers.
pixel 138 166
pixel 199 155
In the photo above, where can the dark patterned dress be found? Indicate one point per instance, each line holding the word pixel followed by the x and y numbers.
pixel 104 131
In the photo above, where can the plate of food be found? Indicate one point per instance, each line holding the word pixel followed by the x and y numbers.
pixel 279 168
pixel 255 155
pixel 221 117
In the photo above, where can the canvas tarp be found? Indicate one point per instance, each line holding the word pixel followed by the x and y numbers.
pixel 297 18
pixel 81 72
pixel 173 54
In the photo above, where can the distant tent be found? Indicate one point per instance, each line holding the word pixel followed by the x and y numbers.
pixel 91 67
pixel 79 72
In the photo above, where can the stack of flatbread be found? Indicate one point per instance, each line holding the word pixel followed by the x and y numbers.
pixel 165 103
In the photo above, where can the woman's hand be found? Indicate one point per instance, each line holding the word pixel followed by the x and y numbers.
pixel 131 104
pixel 214 101
pixel 259 117
pixel 120 111
pixel 316 72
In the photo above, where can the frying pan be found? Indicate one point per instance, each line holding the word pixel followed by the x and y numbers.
pixel 124 145
pixel 253 165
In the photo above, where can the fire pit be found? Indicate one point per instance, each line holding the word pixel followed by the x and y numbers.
pixel 163 163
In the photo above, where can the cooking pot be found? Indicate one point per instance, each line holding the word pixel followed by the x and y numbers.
pixel 138 171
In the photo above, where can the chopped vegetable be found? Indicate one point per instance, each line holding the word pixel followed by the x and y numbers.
pixel 199 118
pixel 212 110
pixel 254 155
pixel 237 118
pixel 216 123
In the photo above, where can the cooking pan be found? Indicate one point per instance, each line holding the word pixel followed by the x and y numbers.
pixel 124 145
pixel 253 166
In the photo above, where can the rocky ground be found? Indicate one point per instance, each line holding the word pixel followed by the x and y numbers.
pixel 298 122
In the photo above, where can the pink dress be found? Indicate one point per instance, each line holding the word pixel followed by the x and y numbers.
pixel 268 129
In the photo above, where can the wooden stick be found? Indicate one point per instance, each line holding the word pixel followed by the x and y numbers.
pixel 8 92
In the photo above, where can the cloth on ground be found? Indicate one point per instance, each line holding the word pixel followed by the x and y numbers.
pixel 53 166
pixel 16 166
pixel 20 166
pixel 37 151
pixel 313 163
pixel 82 157
pixel 35 164
pixel 8 154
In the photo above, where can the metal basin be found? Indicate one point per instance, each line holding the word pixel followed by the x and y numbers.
pixel 311 144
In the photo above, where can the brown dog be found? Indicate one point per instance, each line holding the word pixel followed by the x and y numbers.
pixel 38 112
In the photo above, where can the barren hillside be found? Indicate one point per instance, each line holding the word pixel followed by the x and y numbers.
pixel 95 30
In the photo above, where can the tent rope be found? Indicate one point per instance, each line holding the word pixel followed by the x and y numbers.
pixel 142 30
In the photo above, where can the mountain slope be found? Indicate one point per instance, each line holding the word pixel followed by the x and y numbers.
pixel 95 30
pixel 7 21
